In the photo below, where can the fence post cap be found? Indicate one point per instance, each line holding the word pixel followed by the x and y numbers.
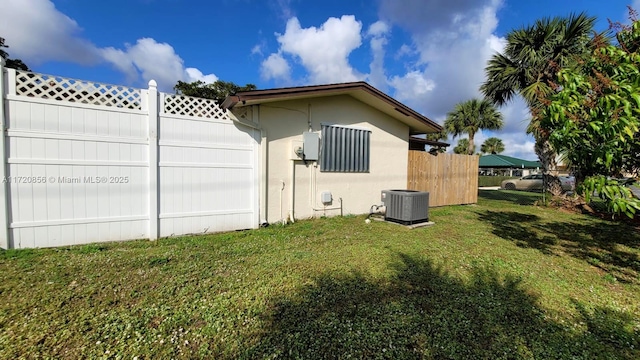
pixel 153 83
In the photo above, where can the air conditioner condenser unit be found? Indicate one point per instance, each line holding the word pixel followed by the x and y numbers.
pixel 406 206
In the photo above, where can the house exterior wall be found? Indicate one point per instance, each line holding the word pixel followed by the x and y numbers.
pixel 285 121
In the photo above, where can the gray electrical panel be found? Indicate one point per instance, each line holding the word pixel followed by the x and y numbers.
pixel 311 145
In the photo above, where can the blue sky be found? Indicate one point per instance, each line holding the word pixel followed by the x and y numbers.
pixel 429 54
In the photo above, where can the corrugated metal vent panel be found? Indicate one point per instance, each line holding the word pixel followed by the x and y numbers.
pixel 406 206
pixel 344 149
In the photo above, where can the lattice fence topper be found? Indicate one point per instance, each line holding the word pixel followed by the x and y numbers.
pixel 80 91
pixel 193 106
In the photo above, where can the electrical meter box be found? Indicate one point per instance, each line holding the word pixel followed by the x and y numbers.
pixel 311 145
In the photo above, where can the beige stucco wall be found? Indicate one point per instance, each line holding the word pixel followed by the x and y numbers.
pixel 284 122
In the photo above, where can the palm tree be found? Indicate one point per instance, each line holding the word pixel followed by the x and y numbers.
pixel 492 145
pixel 470 116
pixel 463 147
pixel 442 135
pixel 529 66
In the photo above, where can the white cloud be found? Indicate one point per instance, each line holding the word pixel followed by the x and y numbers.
pixel 519 145
pixel 152 60
pixel 275 67
pixel 256 49
pixel 497 44
pixel 37 32
pixel 120 59
pixel 412 87
pixel 452 42
pixel 323 51
pixel 378 32
pixel 282 8
pixel 419 16
pixel 516 115
pixel 378 28
pixel 514 134
pixel 404 50
pixel 194 74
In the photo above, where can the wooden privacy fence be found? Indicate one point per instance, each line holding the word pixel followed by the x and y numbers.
pixel 450 179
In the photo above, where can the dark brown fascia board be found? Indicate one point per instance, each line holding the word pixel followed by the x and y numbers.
pixel 232 100
pixel 304 89
pixel 428 142
pixel 267 94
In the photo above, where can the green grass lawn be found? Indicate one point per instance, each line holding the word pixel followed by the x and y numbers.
pixel 500 279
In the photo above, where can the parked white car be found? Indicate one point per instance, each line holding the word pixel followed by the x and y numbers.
pixel 534 183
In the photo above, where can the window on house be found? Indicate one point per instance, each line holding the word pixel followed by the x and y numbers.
pixel 344 149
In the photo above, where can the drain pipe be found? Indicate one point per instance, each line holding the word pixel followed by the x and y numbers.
pixel 284 221
pixel 264 145
pixel 292 190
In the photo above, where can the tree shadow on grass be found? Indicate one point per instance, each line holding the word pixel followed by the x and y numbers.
pixel 518 227
pixel 605 245
pixel 424 312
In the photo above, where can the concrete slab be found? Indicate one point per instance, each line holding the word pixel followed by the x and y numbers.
pixel 411 227
pixel 415 226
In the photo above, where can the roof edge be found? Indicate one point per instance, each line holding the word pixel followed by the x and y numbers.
pixel 229 102
pixel 428 142
pixel 232 100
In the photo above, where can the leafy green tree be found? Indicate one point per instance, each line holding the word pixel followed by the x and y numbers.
pixel 470 116
pixel 530 64
pixel 11 63
pixel 16 64
pixel 463 147
pixel 594 118
pixel 630 42
pixel 218 90
pixel 3 53
pixel 492 145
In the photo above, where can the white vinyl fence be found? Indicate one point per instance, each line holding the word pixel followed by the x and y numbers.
pixel 86 162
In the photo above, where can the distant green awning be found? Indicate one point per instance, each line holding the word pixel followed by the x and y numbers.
pixel 502 161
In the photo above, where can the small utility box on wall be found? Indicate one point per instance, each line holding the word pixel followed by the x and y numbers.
pixel 326 198
pixel 311 145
